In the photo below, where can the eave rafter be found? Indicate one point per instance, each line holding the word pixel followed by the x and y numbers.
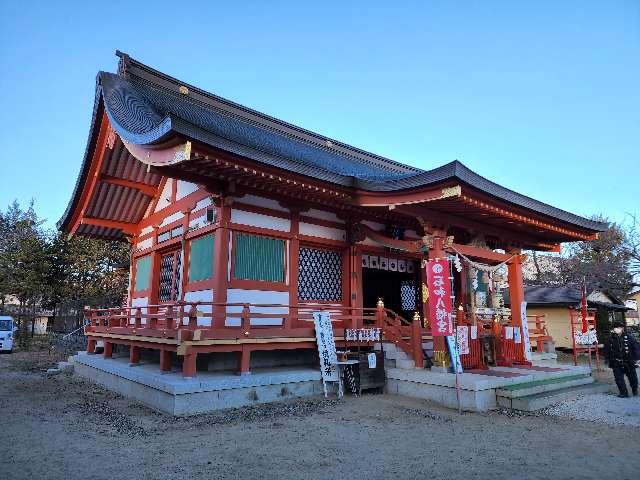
pixel 438 218
pixel 490 208
pixel 146 189
pixel 424 203
pixel 192 162
pixel 128 229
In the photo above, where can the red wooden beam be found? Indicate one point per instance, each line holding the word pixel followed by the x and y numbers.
pixel 409 246
pixel 127 228
pixel 148 190
pixel 481 253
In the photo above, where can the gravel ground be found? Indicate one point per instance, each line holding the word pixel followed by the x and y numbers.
pixel 602 407
pixel 60 427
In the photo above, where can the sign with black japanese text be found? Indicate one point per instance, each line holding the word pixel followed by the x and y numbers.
pixel 326 346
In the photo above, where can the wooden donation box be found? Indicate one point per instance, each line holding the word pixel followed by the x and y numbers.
pixel 368 373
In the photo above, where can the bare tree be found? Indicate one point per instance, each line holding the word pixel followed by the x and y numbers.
pixel 633 248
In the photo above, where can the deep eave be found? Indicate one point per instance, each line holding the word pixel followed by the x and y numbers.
pixel 149 109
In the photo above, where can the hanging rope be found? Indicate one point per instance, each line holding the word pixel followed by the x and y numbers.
pixel 481 266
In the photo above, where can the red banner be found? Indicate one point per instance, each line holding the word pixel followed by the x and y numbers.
pixel 440 310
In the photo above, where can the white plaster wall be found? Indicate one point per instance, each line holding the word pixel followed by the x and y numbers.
pixel 148 243
pixel 236 295
pixel 146 230
pixel 260 220
pixel 172 218
pixel 322 232
pixel 263 202
pixel 165 197
pixel 322 215
pixel 185 188
pixel 205 202
pixel 201 296
pixel 140 302
pixel 198 222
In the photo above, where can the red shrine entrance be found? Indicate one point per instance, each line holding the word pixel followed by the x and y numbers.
pixel 394 280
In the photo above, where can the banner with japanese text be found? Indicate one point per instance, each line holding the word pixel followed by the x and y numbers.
pixel 439 286
pixel 326 347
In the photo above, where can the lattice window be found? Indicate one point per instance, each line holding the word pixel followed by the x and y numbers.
pixel 170 266
pixel 408 295
pixel 177 277
pixel 319 275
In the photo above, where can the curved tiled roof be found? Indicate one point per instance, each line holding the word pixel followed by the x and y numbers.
pixel 145 107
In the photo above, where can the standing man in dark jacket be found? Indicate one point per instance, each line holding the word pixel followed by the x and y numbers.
pixel 621 351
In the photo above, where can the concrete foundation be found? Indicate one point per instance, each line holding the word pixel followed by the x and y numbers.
pixel 214 390
pixel 171 393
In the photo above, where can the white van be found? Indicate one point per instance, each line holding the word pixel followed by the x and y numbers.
pixel 7 329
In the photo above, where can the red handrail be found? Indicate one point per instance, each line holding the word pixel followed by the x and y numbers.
pixel 167 319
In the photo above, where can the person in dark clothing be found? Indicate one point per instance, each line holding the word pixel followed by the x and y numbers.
pixel 621 351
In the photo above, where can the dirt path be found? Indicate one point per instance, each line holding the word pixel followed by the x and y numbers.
pixel 63 428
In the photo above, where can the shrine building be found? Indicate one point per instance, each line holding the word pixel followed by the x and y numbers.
pixel 241 225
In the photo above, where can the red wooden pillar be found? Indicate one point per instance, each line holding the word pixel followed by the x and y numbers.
pixel 165 360
pixel 134 355
pixel 108 349
pixel 416 341
pixel 294 266
pixel 244 361
pixel 189 364
pixel 221 262
pixel 91 345
pixel 355 285
pixel 516 297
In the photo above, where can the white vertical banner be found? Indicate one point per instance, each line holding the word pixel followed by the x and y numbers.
pixel 517 335
pixel 463 339
pixel 326 347
pixel 525 330
pixel 474 332
pixel 454 353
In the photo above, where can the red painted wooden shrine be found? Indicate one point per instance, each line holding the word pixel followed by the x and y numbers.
pixel 242 225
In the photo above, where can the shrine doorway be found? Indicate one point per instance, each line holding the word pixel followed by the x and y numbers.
pixel 394 280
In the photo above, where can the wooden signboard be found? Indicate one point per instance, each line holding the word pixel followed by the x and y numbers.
pixel 326 348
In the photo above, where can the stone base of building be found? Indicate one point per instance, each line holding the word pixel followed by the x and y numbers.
pixel 523 388
pixel 209 391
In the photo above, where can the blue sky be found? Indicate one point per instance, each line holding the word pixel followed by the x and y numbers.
pixel 542 97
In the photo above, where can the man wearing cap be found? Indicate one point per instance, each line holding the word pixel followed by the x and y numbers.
pixel 621 351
